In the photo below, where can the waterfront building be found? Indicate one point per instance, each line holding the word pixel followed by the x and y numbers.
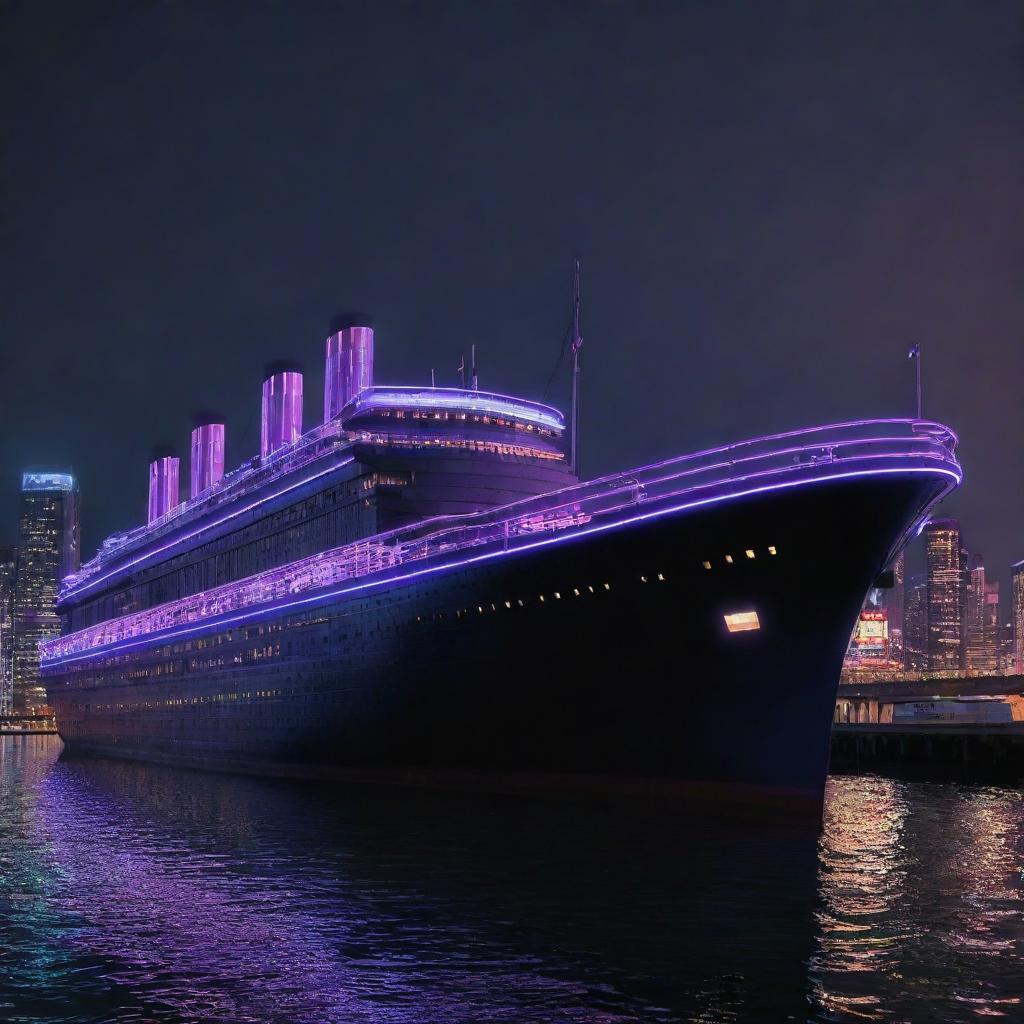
pixel 48 550
pixel 1017 588
pixel 7 567
pixel 894 606
pixel 947 596
pixel 869 654
pixel 915 625
pixel 982 628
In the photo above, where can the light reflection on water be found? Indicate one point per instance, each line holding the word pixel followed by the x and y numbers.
pixel 140 893
pixel 921 902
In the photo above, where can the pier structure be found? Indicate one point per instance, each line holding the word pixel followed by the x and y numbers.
pixel 964 728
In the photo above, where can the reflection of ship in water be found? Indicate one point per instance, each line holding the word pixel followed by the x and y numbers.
pixel 419 585
pixel 148 892
pixel 303 904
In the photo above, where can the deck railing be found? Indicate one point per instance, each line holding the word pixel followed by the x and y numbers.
pixel 867 447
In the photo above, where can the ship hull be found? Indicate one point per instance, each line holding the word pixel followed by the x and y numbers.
pixel 604 660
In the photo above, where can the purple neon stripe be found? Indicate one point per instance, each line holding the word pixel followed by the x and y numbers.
pixel 347 561
pixel 78 591
pixel 277 608
pixel 525 402
pixel 936 436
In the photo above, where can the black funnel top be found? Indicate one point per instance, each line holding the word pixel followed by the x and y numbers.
pixel 342 321
pixel 161 451
pixel 205 418
pixel 281 366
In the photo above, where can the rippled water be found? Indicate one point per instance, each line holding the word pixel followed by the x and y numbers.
pixel 139 893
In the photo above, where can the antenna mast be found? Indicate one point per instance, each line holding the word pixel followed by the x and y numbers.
pixel 577 344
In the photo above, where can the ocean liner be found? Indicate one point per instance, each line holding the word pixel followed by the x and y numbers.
pixel 420 588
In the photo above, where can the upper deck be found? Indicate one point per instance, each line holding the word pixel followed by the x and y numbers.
pixel 868 448
pixel 474 423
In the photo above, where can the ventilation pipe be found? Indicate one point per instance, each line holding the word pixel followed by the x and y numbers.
pixel 281 420
pixel 163 482
pixel 207 466
pixel 349 368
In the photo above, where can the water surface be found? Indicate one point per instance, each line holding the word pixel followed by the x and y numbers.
pixel 140 893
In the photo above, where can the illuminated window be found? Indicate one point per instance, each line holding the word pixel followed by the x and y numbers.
pixel 558 596
pixel 661 577
pixel 771 549
pixel 728 559
pixel 607 586
pixel 749 552
pixel 740 622
pixel 707 565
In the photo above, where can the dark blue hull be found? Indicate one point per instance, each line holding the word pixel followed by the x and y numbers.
pixel 625 670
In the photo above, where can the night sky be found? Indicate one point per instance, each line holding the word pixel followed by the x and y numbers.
pixel 772 202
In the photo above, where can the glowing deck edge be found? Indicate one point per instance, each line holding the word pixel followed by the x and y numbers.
pixel 830 436
pixel 569 533
pixel 485 402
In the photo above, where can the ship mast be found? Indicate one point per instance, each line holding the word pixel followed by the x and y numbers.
pixel 577 344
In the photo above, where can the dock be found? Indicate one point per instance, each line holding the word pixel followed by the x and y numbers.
pixel 28 725
pixel 871 734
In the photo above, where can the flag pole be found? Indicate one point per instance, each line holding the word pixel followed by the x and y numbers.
pixel 915 354
pixel 577 344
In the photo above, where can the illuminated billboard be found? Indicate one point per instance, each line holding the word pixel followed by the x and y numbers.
pixel 870 642
pixel 47 482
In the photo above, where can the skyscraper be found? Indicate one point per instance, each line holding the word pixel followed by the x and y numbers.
pixel 982 656
pixel 1017 588
pixel 48 550
pixel 947 596
pixel 915 625
pixel 895 607
pixel 7 567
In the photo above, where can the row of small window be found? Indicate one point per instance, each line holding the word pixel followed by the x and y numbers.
pixel 386 480
pixel 173 702
pixel 309 647
pixel 748 553
pixel 556 595
pixel 462 417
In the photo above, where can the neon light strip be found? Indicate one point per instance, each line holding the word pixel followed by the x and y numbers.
pixel 407 543
pixel 514 399
pixel 450 398
pixel 921 431
pixel 231 487
pixel 280 607
pixel 78 591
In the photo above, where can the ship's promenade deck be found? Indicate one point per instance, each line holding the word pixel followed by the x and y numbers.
pixel 729 473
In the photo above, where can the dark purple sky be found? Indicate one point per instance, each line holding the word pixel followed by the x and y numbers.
pixel 772 202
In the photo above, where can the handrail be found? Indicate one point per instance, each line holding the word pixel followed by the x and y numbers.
pixel 519 523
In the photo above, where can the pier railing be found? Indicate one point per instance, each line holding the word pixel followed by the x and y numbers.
pixel 770 463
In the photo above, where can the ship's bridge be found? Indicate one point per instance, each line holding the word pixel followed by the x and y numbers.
pixel 455 418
